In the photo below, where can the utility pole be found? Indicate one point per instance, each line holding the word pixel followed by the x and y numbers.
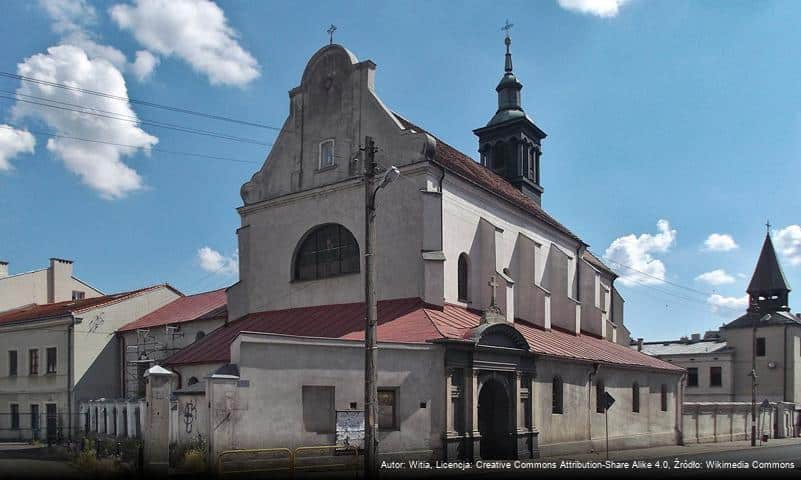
pixel 755 310
pixel 371 349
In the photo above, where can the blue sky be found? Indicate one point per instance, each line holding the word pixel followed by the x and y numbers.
pixel 668 122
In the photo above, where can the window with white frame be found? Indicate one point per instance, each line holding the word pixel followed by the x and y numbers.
pixel 326 153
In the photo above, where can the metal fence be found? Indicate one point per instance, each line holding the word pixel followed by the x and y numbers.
pixel 49 426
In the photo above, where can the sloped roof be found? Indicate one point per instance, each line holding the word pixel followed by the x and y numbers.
pixel 408 320
pixel 596 262
pixel 768 275
pixel 182 309
pixel 462 165
pixel 684 348
pixel 775 318
pixel 60 309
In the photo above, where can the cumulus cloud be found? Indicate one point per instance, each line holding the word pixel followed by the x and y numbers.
pixel 99 166
pixel 720 242
pixel 73 19
pixel 12 143
pixel 635 255
pixel 144 64
pixel 715 277
pixel 788 241
pixel 214 262
pixel 600 8
pixel 727 305
pixel 193 30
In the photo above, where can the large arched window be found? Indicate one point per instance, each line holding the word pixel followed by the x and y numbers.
pixel 558 396
pixel 326 251
pixel 463 277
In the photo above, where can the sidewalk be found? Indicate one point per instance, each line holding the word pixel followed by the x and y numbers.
pixel 674 450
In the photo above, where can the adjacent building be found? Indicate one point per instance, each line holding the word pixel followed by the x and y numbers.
pixel 55 283
pixel 148 340
pixel 55 355
pixel 500 334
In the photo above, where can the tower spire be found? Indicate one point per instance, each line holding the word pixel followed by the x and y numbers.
pixel 768 288
pixel 508 41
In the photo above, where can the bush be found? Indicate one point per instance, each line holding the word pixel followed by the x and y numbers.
pixel 190 456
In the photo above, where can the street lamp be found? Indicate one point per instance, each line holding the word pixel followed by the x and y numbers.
pixel 370 333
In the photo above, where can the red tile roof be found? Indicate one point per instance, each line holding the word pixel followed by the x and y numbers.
pixel 464 166
pixel 36 312
pixel 408 320
pixel 183 309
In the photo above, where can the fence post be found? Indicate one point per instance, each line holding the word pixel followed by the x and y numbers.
pixel 157 415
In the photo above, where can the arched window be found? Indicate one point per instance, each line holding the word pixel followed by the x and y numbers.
pixel 558 397
pixel 663 397
pixel 463 277
pixel 326 251
pixel 600 390
pixel 500 158
pixel 191 381
pixel 200 334
pixel 635 397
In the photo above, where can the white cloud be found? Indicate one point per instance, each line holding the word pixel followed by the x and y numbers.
pixel 144 64
pixel 727 305
pixel 213 261
pixel 73 20
pixel 634 255
pixel 193 30
pixel 715 277
pixel 720 242
pixel 601 8
pixel 12 143
pixel 99 166
pixel 788 241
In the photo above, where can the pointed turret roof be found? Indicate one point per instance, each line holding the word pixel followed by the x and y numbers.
pixel 768 275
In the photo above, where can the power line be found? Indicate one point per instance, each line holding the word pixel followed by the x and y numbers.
pixel 152 123
pixel 11 126
pixel 138 101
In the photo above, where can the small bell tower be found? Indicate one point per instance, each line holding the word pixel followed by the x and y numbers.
pixel 510 143
pixel 768 291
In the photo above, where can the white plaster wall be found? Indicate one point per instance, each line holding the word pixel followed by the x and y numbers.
pixel 33 287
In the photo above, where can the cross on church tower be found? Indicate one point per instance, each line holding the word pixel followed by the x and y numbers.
pixel 507 27
pixel 767 225
pixel 493 284
pixel 330 31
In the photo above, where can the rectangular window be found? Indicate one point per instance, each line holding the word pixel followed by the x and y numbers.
pixel 387 409
pixel 319 415
pixel 51 360
pixel 78 295
pixel 327 154
pixel 600 402
pixel 33 361
pixel 14 416
pixel 760 347
pixel 12 363
pixel 35 420
pixel 692 377
pixel 715 376
pixel 664 398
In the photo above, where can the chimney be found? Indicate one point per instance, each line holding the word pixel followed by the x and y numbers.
pixel 639 344
pixel 695 337
pixel 59 286
pixel 684 339
pixel 3 268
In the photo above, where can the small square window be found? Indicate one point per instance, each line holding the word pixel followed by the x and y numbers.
pixel 326 154
pixel 387 409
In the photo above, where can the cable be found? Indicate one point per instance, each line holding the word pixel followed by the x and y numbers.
pixel 11 126
pixel 139 102
pixel 152 123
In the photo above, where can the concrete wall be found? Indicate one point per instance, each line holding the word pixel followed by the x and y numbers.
pixel 731 421
pixel 705 392
pixel 572 430
pixel 781 349
pixel 47 285
pixel 276 368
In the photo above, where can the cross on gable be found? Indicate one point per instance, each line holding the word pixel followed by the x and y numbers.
pixel 330 31
pixel 493 284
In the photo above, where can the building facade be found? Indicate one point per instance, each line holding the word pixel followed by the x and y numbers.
pixel 500 334
pixel 55 283
pixel 59 354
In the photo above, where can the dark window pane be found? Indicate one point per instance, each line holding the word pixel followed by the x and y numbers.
pixel 635 398
pixel 760 347
pixel 715 377
pixel 664 399
pixel 557 406
pixel 14 417
pixel 692 377
pixel 51 360
pixel 328 251
pixel 33 361
pixel 12 363
pixel 462 277
pixel 599 397
pixel 387 409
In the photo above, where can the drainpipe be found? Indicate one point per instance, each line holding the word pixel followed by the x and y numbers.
pixel 784 367
pixel 680 408
pixel 593 372
pixel 70 330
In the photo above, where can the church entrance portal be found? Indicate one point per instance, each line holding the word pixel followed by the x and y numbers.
pixel 494 421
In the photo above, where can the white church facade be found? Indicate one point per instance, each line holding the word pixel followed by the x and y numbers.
pixel 499 333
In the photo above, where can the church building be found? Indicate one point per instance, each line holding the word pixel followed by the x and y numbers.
pixel 499 332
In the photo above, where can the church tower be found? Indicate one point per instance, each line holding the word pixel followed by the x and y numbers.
pixel 510 143
pixel 768 291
